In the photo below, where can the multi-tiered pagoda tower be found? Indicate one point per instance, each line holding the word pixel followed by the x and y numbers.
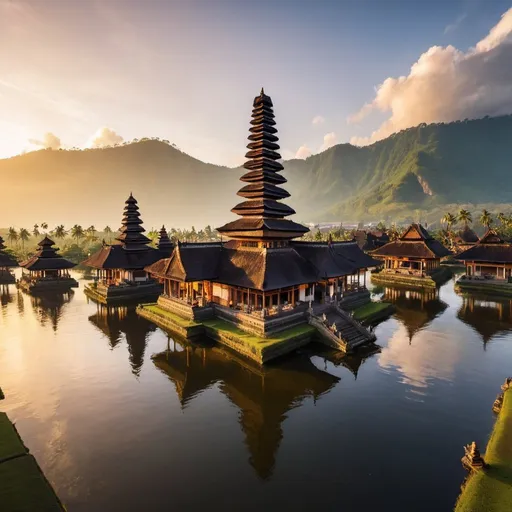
pixel 165 245
pixel 262 213
pixel 120 267
pixel 6 263
pixel 47 270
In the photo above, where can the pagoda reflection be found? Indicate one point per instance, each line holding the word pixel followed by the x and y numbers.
pixel 351 362
pixel 415 309
pixel 264 395
pixel 488 317
pixel 117 323
pixel 48 306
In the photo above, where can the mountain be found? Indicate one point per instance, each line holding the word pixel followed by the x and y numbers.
pixel 426 168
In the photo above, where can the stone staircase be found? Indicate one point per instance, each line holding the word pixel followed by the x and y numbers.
pixel 339 330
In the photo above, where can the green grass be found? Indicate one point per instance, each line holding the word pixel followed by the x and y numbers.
pixel 23 487
pixel 254 341
pixel 372 310
pixel 491 490
pixel 157 310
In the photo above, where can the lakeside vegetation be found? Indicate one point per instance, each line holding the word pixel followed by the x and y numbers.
pixel 491 490
pixel 77 243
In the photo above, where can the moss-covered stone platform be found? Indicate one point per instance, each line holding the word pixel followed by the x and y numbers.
pixel 258 348
pixel 484 286
pixel 432 281
pixel 490 490
pixel 121 295
pixel 373 312
pixel 23 487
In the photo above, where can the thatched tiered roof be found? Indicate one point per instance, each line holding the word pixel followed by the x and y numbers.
pixel 262 215
pixel 416 242
pixel 165 245
pixel 491 248
pixel 260 268
pixel 6 260
pixel 46 258
pixel 466 236
pixel 132 252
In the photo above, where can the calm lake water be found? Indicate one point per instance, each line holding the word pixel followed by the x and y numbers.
pixel 118 422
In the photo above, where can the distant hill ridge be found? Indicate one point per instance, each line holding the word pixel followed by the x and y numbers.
pixel 424 167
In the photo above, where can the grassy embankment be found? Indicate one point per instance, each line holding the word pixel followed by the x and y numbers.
pixel 491 490
pixel 23 487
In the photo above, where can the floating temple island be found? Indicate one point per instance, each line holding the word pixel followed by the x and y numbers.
pixel 120 273
pixel 46 270
pixel 257 291
pixel 413 260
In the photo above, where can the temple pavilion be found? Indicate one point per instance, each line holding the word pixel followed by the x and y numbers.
pixel 120 273
pixel 414 259
pixel 488 263
pixel 47 270
pixel 6 263
pixel 260 275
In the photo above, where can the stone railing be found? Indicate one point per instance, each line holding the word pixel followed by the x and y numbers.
pixel 185 309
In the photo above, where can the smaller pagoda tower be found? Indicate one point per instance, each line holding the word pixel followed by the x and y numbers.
pixel 120 267
pixel 47 270
pixel 165 245
pixel 6 263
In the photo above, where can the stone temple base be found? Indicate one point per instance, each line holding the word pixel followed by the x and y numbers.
pixel 120 295
pixel 430 281
pixel 48 285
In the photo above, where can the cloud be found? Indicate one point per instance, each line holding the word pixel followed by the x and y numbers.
pixel 303 152
pixel 49 140
pixel 330 139
pixel 318 120
pixel 446 84
pixel 455 25
pixel 104 137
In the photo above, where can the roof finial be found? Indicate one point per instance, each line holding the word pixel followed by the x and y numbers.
pixel 262 92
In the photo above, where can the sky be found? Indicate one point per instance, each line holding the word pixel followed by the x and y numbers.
pixel 77 73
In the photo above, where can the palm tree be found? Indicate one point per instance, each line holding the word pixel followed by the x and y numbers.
pixel 91 233
pixel 153 236
pixel 108 231
pixel 12 235
pixel 449 219
pixel 77 232
pixel 36 231
pixel 502 218
pixel 465 217
pixel 486 218
pixel 23 235
pixel 60 231
pixel 44 226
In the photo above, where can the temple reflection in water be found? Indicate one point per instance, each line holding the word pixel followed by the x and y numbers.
pixel 415 309
pixel 489 317
pixel 117 323
pixel 264 395
pixel 48 307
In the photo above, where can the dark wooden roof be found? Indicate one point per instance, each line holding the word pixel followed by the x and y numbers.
pixel 116 256
pixel 46 258
pixel 262 269
pixel 491 248
pixel 262 195
pixel 466 236
pixel 416 242
pixel 131 230
pixel 6 260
